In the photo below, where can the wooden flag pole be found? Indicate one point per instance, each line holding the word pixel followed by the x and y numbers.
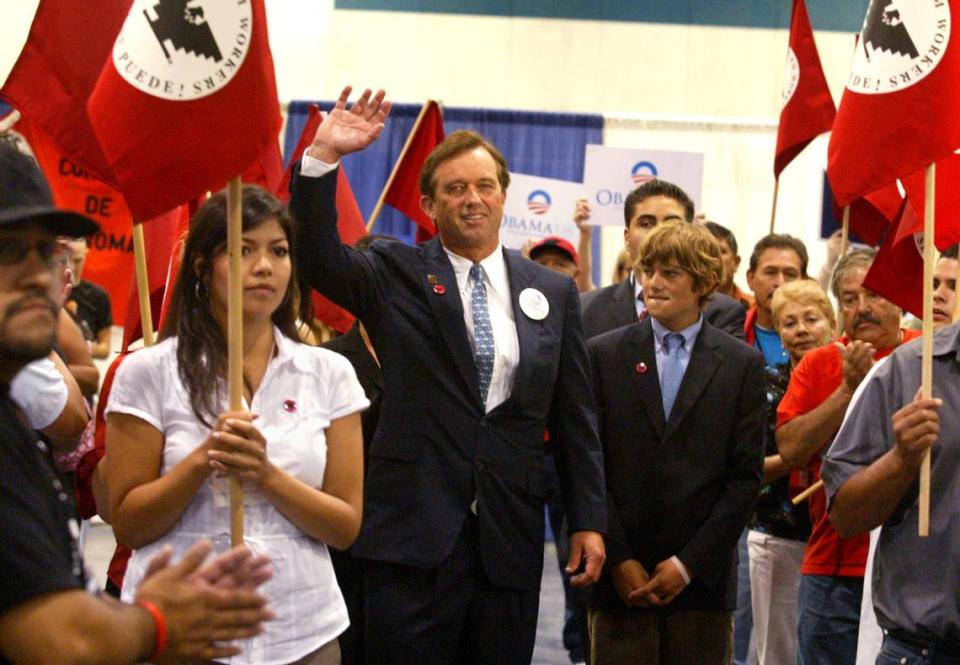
pixel 235 337
pixel 845 232
pixel 9 120
pixel 406 146
pixel 805 494
pixel 926 371
pixel 773 208
pixel 143 283
pixel 844 245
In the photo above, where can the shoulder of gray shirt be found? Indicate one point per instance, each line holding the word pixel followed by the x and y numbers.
pixel 866 433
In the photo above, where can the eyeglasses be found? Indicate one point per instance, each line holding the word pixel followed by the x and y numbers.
pixel 15 250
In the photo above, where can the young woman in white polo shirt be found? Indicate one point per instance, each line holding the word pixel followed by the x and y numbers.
pixel 172 446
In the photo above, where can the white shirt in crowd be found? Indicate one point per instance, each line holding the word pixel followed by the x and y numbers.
pixel 302 391
pixel 40 392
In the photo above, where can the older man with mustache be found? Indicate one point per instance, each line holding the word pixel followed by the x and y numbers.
pixel 808 418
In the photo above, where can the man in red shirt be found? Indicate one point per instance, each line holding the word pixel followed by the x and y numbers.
pixel 807 420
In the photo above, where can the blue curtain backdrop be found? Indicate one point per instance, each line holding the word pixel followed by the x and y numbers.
pixel 550 145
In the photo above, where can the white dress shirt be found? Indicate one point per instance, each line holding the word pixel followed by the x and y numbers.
pixel 506 344
pixel 637 295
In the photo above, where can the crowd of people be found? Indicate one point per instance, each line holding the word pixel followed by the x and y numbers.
pixel 395 479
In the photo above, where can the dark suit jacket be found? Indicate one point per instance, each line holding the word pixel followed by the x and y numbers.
pixel 436 450
pixel 350 345
pixel 684 487
pixel 614 306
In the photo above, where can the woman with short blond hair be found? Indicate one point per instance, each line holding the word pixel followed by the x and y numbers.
pixel 804 319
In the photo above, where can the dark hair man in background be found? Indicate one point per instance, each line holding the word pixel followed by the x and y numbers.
pixel 652 203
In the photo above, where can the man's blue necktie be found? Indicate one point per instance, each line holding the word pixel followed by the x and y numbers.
pixel 482 331
pixel 672 373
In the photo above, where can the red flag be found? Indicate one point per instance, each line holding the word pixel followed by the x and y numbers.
pixel 160 236
pixel 349 222
pixel 946 199
pixel 173 269
pixel 56 72
pixel 873 214
pixel 808 108
pixel 349 218
pixel 267 169
pixel 314 117
pixel 897 271
pixel 900 110
pixel 110 258
pixel 186 100
pixel 404 190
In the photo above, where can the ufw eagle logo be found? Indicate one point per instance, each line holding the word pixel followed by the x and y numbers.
pixel 185 25
pixel 884 31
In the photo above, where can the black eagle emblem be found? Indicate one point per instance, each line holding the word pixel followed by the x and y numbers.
pixel 884 31
pixel 185 25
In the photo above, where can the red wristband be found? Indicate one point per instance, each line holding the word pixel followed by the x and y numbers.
pixel 160 628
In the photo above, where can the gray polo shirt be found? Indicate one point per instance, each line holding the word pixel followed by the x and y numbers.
pixel 916 581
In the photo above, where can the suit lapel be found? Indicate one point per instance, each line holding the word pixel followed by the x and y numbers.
pixel 643 365
pixel 624 303
pixel 704 362
pixel 521 275
pixel 448 311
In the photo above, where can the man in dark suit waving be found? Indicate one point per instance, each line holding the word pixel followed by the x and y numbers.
pixel 481 351
pixel 682 410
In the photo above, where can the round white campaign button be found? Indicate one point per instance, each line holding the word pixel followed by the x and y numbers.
pixel 534 304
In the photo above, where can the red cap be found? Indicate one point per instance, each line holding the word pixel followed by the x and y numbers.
pixel 556 242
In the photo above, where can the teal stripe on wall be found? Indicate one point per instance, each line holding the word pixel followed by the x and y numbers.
pixel 839 15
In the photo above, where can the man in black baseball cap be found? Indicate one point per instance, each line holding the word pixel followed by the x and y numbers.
pixel 25 198
pixel 185 611
pixel 29 226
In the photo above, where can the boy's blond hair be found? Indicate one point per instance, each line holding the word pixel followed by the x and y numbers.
pixel 691 247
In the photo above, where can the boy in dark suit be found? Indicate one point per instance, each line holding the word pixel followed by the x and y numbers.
pixel 681 413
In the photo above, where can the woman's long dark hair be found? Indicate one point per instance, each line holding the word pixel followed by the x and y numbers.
pixel 201 342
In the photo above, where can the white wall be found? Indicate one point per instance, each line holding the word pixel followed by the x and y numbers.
pixel 730 76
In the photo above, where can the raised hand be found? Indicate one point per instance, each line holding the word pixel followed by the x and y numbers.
pixel 581 213
pixel 344 131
